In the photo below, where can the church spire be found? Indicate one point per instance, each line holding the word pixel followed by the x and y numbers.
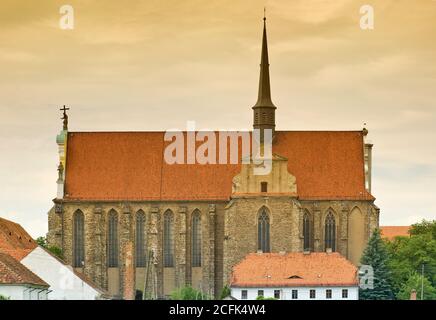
pixel 264 109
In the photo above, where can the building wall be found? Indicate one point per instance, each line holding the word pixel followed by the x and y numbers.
pixel 303 293
pixel 229 232
pixel 167 279
pixel 23 292
pixel 64 284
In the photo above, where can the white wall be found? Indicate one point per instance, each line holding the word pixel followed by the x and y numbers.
pixel 65 285
pixel 23 292
pixel 303 293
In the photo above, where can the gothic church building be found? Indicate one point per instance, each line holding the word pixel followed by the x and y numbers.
pixel 127 219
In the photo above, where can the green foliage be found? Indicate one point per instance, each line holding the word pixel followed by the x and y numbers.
pixel 376 255
pixel 263 298
pixel 188 293
pixel 424 227
pixel 225 292
pixel 4 298
pixel 415 282
pixel 409 254
pixel 42 241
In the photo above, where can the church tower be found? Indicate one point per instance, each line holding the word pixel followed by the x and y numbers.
pixel 264 109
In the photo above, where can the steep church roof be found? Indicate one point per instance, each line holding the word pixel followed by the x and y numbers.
pixel 130 166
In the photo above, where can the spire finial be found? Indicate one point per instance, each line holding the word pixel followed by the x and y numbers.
pixel 264 13
pixel 264 109
pixel 65 116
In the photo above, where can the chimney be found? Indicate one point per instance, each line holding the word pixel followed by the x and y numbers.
pixel 413 294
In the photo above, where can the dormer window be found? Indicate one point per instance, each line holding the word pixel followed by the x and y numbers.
pixel 264 187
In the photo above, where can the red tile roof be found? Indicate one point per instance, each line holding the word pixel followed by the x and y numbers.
pixel 13 272
pixel 14 240
pixel 294 270
pixel 390 232
pixel 130 166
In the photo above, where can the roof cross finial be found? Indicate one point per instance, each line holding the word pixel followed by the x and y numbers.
pixel 65 116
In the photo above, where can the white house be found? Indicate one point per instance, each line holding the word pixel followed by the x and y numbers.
pixel 295 276
pixel 65 283
pixel 19 283
pixel 61 281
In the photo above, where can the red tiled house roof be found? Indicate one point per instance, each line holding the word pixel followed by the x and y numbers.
pixel 294 270
pixel 13 272
pixel 14 240
pixel 390 232
pixel 130 166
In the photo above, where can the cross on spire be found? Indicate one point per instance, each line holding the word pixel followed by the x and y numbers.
pixel 65 116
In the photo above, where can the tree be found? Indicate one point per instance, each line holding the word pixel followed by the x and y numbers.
pixel 188 293
pixel 414 282
pixel 226 292
pixel 409 254
pixel 42 241
pixel 376 256
pixel 4 298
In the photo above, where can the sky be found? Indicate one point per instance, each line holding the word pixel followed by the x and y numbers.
pixel 156 64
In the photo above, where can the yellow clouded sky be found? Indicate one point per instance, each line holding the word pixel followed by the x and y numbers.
pixel 153 65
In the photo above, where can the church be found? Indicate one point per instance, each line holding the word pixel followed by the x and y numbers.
pixel 130 221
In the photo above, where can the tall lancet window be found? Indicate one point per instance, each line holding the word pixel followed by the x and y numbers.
pixel 112 242
pixel 306 232
pixel 168 239
pixel 330 232
pixel 196 239
pixel 140 243
pixel 263 237
pixel 78 239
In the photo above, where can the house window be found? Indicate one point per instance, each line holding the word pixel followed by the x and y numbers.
pixel 263 231
pixel 260 293
pixel 78 239
pixel 244 294
pixel 306 232
pixel 294 294
pixel 277 294
pixel 264 187
pixel 330 232
pixel 140 244
pixel 328 294
pixel 113 239
pixel 312 294
pixel 344 293
pixel 196 239
pixel 168 239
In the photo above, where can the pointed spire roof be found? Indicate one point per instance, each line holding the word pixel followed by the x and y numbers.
pixel 264 97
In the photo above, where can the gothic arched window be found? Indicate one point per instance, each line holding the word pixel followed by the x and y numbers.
pixel 196 239
pixel 306 232
pixel 330 232
pixel 263 236
pixel 168 239
pixel 140 243
pixel 112 241
pixel 78 239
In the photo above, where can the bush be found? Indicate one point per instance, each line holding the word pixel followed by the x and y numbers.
pixel 4 298
pixel 263 298
pixel 226 292
pixel 188 293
